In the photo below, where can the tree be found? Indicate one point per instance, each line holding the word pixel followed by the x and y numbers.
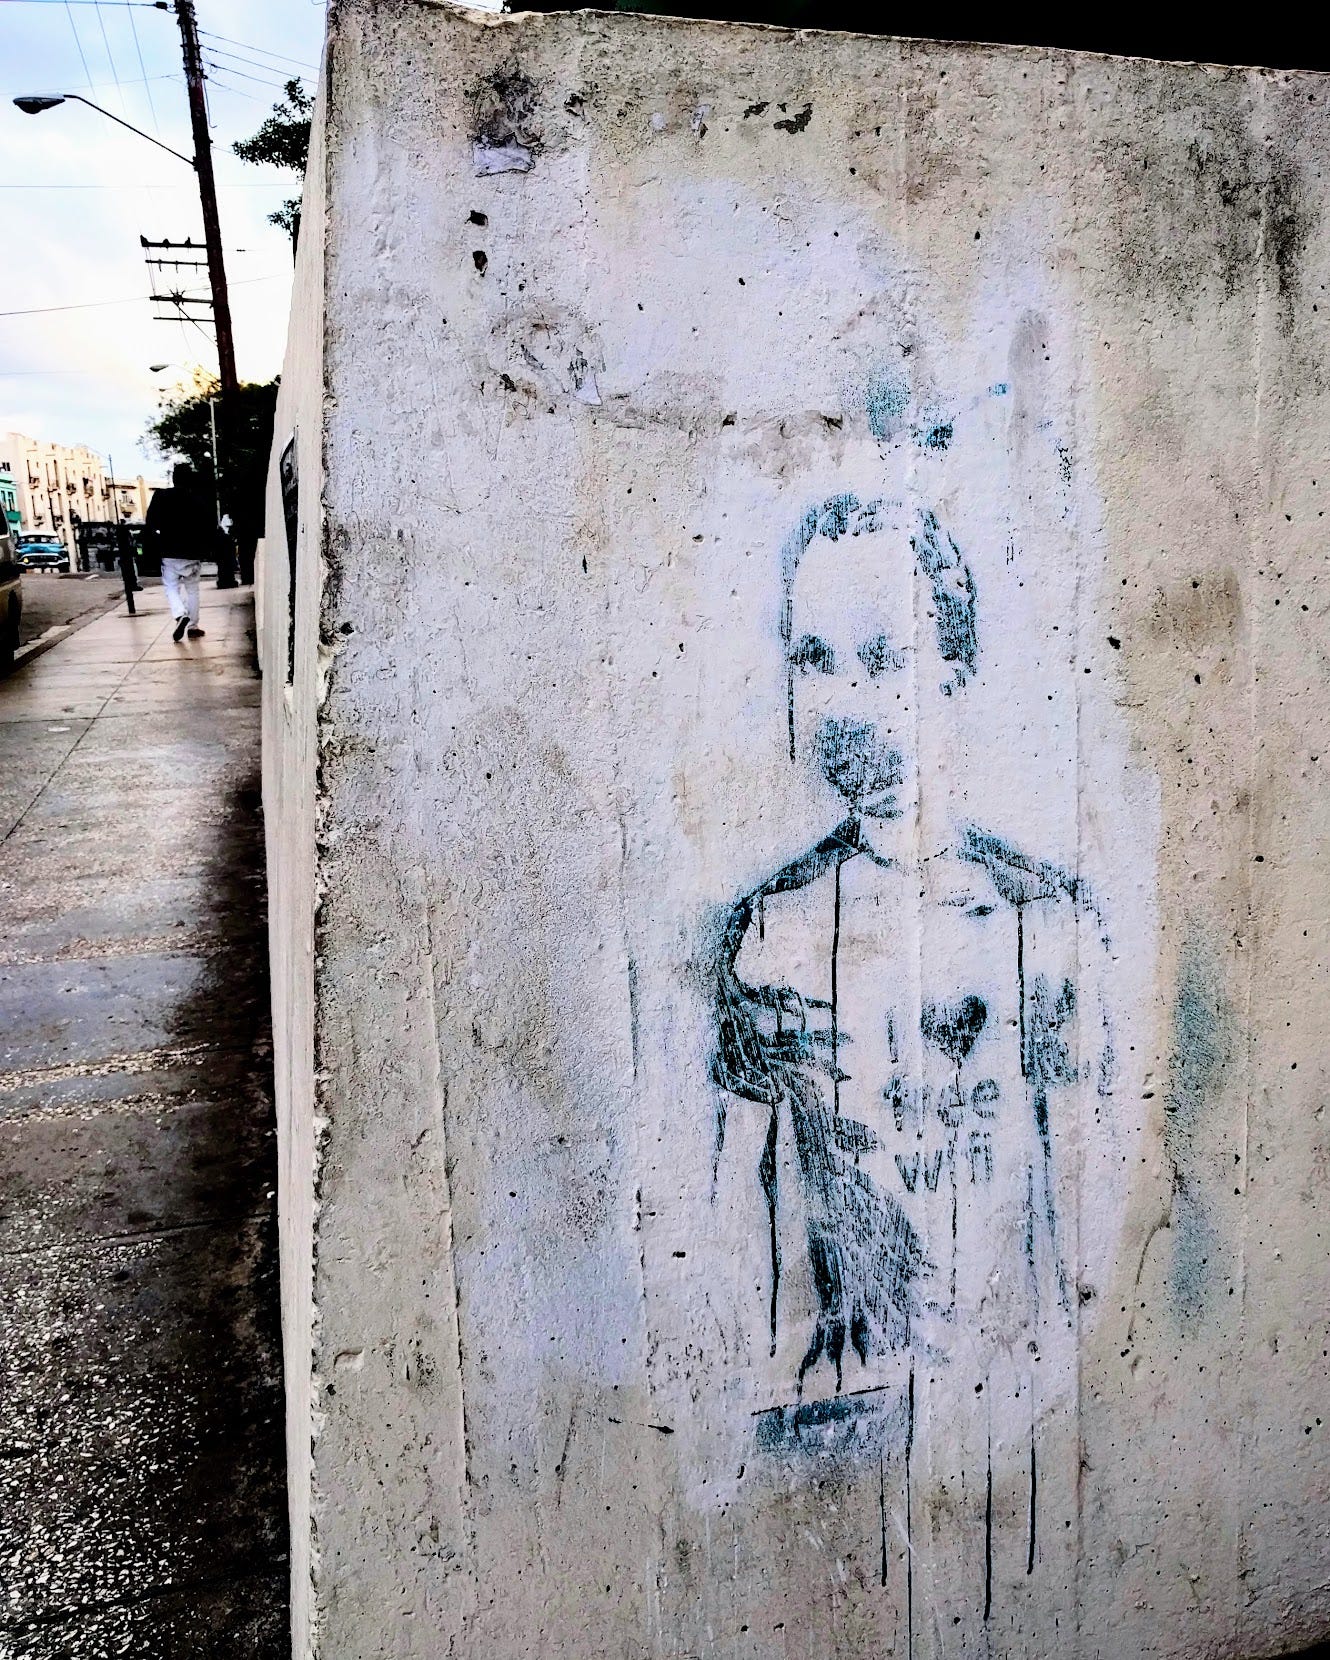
pixel 183 431
pixel 283 141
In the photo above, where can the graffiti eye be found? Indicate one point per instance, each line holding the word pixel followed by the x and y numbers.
pixel 813 655
pixel 879 656
pixel 980 910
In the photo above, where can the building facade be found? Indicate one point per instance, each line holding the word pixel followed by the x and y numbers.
pixel 8 497
pixel 57 485
pixel 132 496
pixel 50 489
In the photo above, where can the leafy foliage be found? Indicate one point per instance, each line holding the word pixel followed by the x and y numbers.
pixel 283 141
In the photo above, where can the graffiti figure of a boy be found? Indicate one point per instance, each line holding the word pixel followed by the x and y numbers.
pixel 876 994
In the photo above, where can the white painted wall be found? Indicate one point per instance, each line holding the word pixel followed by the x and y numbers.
pixel 1001 370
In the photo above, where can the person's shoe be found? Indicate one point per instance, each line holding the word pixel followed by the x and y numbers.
pixel 195 632
pixel 182 623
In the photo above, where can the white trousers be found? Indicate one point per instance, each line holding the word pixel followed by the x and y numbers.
pixel 180 578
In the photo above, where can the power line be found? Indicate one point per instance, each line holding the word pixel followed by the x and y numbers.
pixel 134 80
pixel 226 69
pixel 186 318
pixel 236 92
pixel 85 305
pixel 87 74
pixel 115 73
pixel 132 299
pixel 262 51
pixel 152 108
pixel 254 63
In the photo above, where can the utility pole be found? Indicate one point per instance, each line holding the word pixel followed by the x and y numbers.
pixel 212 230
pixel 216 469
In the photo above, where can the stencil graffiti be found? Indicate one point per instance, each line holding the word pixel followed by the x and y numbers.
pixel 899 1001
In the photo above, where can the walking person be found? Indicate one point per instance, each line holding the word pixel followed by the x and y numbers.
pixel 179 527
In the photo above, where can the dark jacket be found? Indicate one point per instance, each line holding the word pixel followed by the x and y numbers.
pixel 180 524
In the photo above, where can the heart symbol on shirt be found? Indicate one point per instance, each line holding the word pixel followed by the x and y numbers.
pixel 954 1028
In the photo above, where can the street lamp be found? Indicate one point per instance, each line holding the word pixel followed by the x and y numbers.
pixel 33 103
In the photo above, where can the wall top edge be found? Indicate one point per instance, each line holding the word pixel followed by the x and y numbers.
pixel 491 16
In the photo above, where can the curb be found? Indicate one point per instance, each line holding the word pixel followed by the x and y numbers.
pixel 53 637
pixel 35 648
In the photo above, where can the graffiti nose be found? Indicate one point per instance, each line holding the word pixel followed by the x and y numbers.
pixel 954 1028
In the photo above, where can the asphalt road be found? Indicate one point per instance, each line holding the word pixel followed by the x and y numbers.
pixel 51 601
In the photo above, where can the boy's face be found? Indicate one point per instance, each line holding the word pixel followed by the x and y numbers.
pixel 852 660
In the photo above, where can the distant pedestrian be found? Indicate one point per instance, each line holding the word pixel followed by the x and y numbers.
pixel 226 553
pixel 180 528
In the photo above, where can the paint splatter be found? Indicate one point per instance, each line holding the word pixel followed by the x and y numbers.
pixel 886 399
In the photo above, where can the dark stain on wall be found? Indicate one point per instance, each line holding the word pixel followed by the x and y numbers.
pixel 1204 1047
pixel 1204 199
pixel 503 109
pixel 795 123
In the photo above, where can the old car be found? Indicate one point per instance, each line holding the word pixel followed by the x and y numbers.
pixel 42 553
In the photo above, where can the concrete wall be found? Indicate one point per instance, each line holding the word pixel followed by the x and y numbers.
pixel 798 844
pixel 289 584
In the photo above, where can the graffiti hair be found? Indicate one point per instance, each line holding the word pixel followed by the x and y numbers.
pixel 936 556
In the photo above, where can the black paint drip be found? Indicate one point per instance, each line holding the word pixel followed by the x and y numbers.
pixel 988 1536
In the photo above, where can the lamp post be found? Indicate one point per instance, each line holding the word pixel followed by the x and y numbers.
pixel 35 103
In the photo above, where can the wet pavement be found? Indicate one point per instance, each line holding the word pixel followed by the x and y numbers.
pixel 142 1506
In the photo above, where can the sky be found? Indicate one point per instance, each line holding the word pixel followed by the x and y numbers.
pixel 77 191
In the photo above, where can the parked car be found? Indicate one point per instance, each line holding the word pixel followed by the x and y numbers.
pixel 11 596
pixel 42 553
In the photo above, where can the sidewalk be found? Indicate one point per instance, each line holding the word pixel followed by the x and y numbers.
pixel 142 1505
